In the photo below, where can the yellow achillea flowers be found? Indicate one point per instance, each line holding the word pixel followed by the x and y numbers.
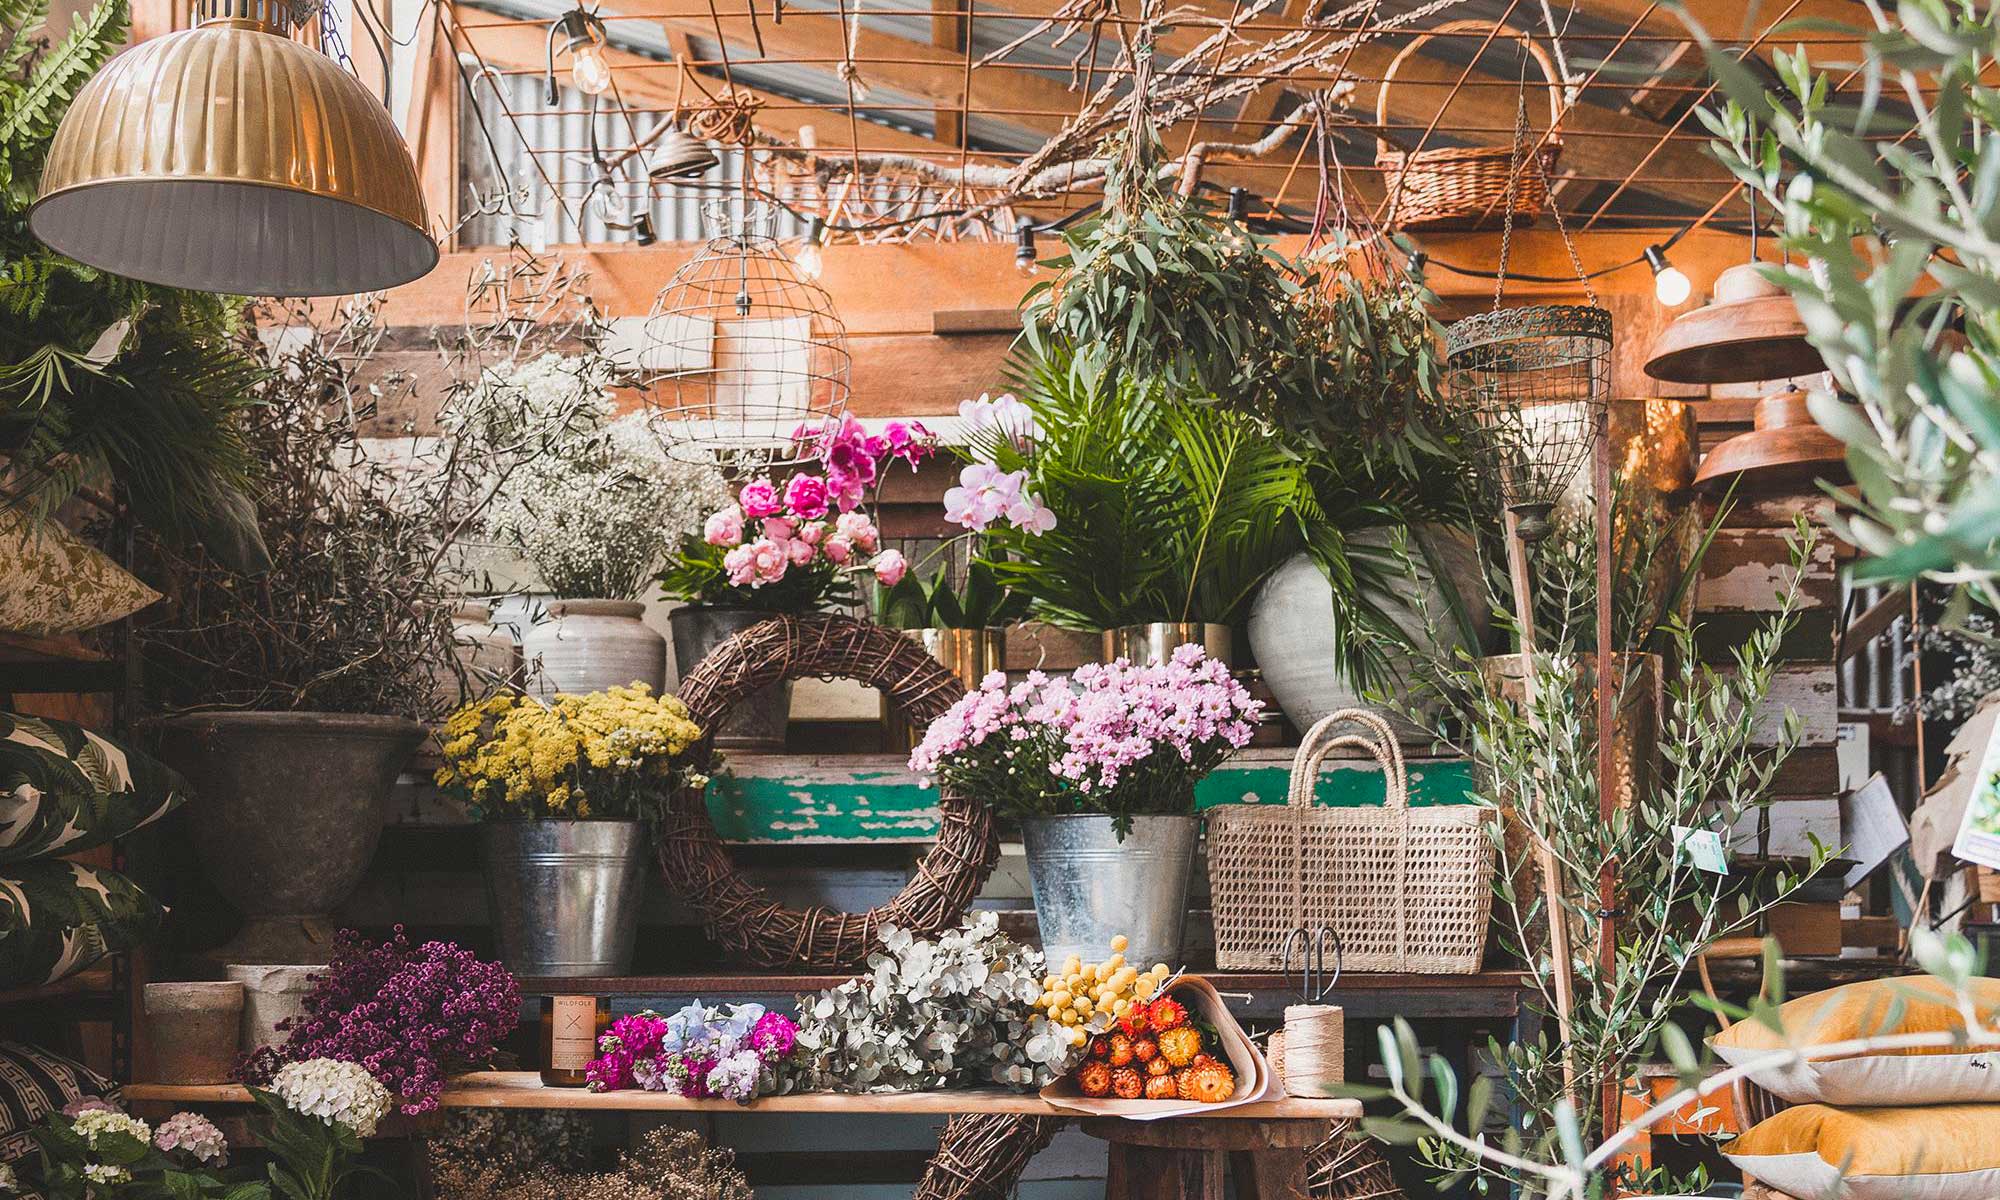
pixel 610 755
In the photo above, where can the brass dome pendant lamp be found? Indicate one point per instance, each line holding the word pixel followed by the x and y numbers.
pixel 231 158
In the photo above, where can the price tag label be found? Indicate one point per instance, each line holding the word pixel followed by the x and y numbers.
pixel 1703 848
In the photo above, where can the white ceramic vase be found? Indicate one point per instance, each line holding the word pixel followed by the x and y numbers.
pixel 1292 634
pixel 589 645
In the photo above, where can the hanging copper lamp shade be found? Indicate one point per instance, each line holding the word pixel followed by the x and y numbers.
pixel 1786 449
pixel 1750 331
pixel 230 158
pixel 677 155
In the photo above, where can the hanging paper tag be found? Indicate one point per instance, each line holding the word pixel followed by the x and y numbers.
pixel 1979 830
pixel 1703 848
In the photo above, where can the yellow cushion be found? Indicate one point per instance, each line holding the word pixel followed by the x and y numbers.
pixel 52 583
pixel 1964 1073
pixel 1817 1152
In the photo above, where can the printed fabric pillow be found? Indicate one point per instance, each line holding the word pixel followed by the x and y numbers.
pixel 58 917
pixel 53 583
pixel 1817 1152
pixel 64 788
pixel 1914 1004
pixel 35 1083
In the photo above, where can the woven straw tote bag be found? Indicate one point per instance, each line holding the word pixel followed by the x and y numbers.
pixel 1405 889
pixel 1465 186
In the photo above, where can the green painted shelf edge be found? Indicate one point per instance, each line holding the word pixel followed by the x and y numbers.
pixel 775 799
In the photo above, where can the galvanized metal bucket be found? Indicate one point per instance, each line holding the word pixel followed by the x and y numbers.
pixel 565 895
pixel 1090 886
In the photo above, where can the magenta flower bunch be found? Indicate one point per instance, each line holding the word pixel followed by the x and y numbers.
pixel 734 1052
pixel 1119 739
pixel 411 1016
pixel 792 548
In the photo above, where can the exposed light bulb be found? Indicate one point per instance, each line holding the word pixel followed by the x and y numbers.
pixel 1671 286
pixel 588 71
pixel 809 260
pixel 1024 248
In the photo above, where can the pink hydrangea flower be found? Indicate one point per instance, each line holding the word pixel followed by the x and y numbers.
pixel 760 498
pixel 890 566
pixel 724 528
pixel 806 497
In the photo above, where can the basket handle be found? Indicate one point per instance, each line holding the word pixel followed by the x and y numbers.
pixel 1467 25
pixel 1321 741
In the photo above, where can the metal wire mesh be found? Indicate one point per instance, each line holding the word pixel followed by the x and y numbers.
pixel 1535 382
pixel 743 358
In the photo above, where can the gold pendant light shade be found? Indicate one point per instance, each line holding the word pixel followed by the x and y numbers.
pixel 229 158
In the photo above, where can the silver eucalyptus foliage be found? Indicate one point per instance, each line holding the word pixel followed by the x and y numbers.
pixel 954 1011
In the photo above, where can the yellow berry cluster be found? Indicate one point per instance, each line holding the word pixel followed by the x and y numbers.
pixel 1085 998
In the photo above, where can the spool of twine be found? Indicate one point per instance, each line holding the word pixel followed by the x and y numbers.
pixel 1313 1050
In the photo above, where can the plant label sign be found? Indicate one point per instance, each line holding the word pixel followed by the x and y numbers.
pixel 1703 848
pixel 1979 830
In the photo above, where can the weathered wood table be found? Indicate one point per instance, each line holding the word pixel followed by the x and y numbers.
pixel 1267 1144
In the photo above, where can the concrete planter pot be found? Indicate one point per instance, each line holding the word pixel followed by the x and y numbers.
pixel 194 1028
pixel 272 995
pixel 589 645
pixel 290 813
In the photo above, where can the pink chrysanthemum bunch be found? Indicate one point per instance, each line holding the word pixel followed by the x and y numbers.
pixel 1120 739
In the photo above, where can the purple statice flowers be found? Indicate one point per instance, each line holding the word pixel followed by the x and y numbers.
pixel 732 1053
pixel 1118 738
pixel 410 1016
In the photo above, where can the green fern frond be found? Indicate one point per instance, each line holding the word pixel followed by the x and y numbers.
pixel 28 117
pixel 20 22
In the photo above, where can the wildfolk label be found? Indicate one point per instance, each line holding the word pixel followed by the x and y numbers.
pixel 572 1032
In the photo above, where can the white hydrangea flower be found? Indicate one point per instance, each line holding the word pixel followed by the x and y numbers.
pixel 9 1182
pixel 106 1174
pixel 97 1122
pixel 338 1093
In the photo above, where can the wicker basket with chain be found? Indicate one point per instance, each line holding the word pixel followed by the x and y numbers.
pixel 1461 186
pixel 1407 889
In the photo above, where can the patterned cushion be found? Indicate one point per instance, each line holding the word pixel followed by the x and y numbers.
pixel 64 789
pixel 35 1083
pixel 58 917
pixel 52 583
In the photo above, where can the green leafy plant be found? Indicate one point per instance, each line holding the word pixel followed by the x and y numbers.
pixel 1171 509
pixel 1898 189
pixel 311 1158
pixel 104 378
pixel 981 602
pixel 1535 752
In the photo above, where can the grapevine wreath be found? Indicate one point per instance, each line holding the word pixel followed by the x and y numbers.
pixel 741 916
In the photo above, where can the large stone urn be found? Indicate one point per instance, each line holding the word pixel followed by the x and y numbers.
pixel 287 815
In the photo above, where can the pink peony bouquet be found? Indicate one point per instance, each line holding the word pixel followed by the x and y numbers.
pixel 736 1052
pixel 1117 739
pixel 792 547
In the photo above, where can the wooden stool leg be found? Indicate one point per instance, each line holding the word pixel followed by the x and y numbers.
pixel 1269 1174
pixel 1159 1173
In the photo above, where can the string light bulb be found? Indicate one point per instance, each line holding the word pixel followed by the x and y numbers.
pixel 1239 216
pixel 1024 247
pixel 809 260
pixel 582 35
pixel 1671 286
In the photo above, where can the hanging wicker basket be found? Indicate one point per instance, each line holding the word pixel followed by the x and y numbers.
pixel 1407 889
pixel 1467 186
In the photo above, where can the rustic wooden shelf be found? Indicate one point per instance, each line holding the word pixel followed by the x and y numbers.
pixel 524 1089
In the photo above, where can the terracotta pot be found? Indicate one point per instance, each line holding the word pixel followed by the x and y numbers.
pixel 289 816
pixel 194 1030
pixel 590 645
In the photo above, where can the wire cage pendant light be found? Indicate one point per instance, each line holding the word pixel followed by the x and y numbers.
pixel 743 359
pixel 1536 382
pixel 231 158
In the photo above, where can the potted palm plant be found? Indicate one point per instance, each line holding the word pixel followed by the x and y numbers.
pixel 564 791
